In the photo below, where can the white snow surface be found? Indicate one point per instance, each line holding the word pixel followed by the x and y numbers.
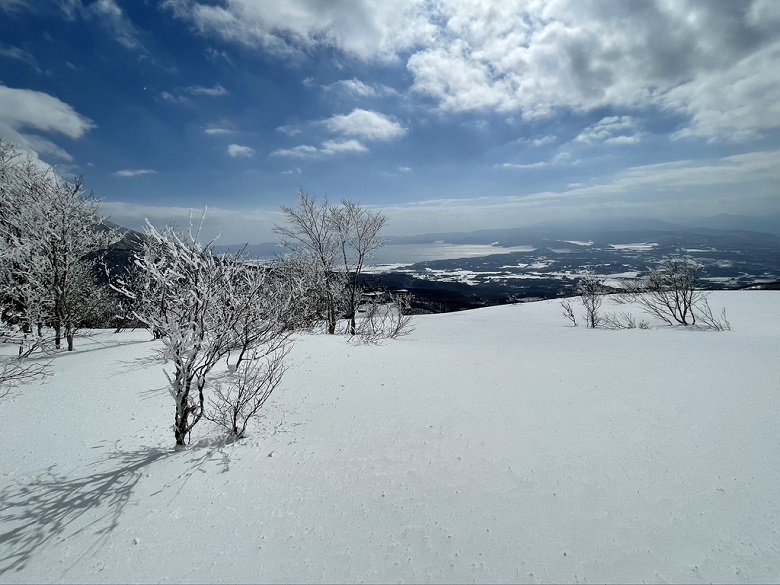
pixel 493 445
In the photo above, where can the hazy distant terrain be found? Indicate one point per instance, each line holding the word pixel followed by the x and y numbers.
pixel 453 271
pixel 549 267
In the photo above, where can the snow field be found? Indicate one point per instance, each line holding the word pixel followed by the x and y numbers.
pixel 493 445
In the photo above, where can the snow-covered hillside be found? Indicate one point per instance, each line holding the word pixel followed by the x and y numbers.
pixel 494 445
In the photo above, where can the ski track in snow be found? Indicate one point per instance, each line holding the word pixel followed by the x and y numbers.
pixel 498 444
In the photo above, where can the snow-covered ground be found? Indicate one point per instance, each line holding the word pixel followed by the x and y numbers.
pixel 493 445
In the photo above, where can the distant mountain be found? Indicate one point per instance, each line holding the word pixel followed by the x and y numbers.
pixel 538 234
pixel 768 223
pixel 131 240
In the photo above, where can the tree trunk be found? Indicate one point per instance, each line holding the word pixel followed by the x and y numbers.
pixel 69 337
pixel 180 423
pixel 57 333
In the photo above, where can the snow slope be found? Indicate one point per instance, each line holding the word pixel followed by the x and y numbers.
pixel 493 445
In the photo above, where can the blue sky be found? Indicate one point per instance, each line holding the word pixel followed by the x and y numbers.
pixel 448 115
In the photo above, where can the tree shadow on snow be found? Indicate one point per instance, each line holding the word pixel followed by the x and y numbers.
pixel 142 362
pixel 55 506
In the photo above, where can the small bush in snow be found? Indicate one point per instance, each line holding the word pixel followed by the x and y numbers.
pixel 671 292
pixel 382 321
pixel 253 381
pixel 591 291
pixel 568 311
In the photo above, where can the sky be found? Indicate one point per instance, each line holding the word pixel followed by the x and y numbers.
pixel 446 115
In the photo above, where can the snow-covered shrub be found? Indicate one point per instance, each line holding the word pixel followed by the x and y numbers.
pixel 203 307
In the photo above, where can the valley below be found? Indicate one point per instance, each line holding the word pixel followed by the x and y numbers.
pixel 547 266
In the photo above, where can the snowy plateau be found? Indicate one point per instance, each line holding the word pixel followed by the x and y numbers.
pixel 493 445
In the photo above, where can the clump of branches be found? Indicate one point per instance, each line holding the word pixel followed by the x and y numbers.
pixel 384 318
pixel 15 371
pixel 18 370
pixel 671 292
pixel 568 311
pixel 253 381
pixel 591 291
pixel 623 320
pixel 709 320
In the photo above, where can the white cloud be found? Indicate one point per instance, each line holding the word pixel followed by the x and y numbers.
pixel 215 91
pixel 110 15
pixel 35 109
pixel 364 29
pixel 302 151
pixel 544 140
pixel 175 99
pixel 742 184
pixel 236 151
pixel 216 55
pixel 24 109
pixel 365 124
pixel 331 147
pixel 196 90
pixel 328 148
pixel 12 5
pixel 737 105
pixel 11 52
pixel 353 86
pixel 713 62
pixel 128 173
pixel 516 166
pixel 289 130
pixel 215 131
pixel 560 157
pixel 611 130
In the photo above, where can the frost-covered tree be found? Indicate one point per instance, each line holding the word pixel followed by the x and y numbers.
pixel 203 307
pixel 311 235
pixel 336 241
pixel 358 235
pixel 50 230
